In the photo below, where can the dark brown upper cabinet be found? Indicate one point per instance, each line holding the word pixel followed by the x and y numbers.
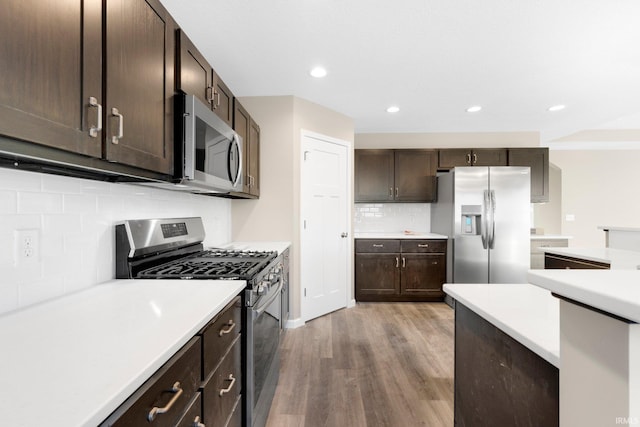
pixel 53 91
pixel 453 157
pixel 195 76
pixel 538 160
pixel 249 130
pixel 395 175
pixel 139 59
pixel 51 67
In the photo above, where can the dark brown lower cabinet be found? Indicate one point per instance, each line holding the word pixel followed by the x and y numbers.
pixel 201 383
pixel 498 381
pixel 400 270
pixel 554 262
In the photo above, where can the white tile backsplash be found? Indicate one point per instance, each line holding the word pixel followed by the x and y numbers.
pixel 76 220
pixel 392 217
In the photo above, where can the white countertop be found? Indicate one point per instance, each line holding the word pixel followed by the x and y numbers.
pixel 258 246
pixel 528 314
pixel 613 291
pixel 72 361
pixel 397 235
pixel 549 237
pixel 619 259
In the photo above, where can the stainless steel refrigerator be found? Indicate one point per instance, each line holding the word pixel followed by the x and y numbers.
pixel 485 211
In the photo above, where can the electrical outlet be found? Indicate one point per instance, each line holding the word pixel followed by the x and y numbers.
pixel 27 244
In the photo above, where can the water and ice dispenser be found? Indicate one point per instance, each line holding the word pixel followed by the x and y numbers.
pixel 471 217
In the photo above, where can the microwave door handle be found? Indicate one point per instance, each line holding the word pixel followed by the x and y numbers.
pixel 236 142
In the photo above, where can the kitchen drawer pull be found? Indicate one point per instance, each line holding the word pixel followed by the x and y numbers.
pixel 228 389
pixel 155 410
pixel 93 131
pixel 404 262
pixel 423 245
pixel 116 138
pixel 475 158
pixel 375 245
pixel 230 326
pixel 468 158
pixel 397 262
pixel 197 423
pixel 396 191
pixel 209 94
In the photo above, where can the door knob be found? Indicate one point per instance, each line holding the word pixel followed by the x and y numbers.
pixel 344 235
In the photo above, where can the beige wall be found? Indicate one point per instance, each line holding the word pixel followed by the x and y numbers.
pixel 276 215
pixel 548 216
pixel 599 187
pixel 451 140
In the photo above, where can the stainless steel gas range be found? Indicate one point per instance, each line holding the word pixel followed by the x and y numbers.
pixel 172 249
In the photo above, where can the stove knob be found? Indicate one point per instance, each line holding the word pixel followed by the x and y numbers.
pixel 262 289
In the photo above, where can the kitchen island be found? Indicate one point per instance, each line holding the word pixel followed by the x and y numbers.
pixel 599 344
pixel 616 259
pixel 506 355
pixel 73 360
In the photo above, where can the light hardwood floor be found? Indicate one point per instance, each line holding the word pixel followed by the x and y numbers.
pixel 377 364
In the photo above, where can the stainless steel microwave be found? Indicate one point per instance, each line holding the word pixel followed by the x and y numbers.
pixel 212 159
pixel 208 152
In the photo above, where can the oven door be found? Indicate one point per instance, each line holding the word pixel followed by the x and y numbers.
pixel 263 354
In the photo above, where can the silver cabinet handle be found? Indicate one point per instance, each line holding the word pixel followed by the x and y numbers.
pixel 93 131
pixel 197 423
pixel 404 262
pixel 155 410
pixel 209 94
pixel 228 389
pixel 397 262
pixel 396 191
pixel 423 245
pixel 116 138
pixel 377 245
pixel 230 325
pixel 475 158
pixel 468 158
pixel 390 192
pixel 216 96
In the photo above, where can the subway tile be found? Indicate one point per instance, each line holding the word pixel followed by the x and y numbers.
pixel 9 300
pixel 8 202
pixel 60 184
pixel 80 203
pixel 29 202
pixel 17 180
pixel 9 223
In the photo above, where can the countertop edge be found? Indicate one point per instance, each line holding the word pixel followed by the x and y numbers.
pixel 550 355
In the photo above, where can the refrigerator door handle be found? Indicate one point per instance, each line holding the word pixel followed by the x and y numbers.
pixel 492 221
pixel 483 225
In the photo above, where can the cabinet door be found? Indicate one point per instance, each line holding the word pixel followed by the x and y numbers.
pixel 222 99
pixel 423 274
pixel 415 172
pixel 374 180
pixel 538 160
pixel 51 62
pixel 193 72
pixel 140 40
pixel 376 276
pixel 254 157
pixel 489 157
pixel 453 157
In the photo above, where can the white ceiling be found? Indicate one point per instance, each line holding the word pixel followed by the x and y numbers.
pixel 433 59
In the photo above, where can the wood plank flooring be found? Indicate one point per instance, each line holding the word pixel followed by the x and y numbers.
pixel 375 365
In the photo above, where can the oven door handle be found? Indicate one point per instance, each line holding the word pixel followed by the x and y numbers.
pixel 259 310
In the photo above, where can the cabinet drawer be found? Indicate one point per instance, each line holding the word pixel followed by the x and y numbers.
pixel 537 246
pixel 377 245
pixel 219 334
pixel 222 391
pixel 419 246
pixel 560 262
pixel 159 391
pixel 193 414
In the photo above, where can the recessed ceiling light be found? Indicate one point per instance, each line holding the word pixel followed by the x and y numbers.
pixel 474 109
pixel 557 107
pixel 318 72
pixel 393 109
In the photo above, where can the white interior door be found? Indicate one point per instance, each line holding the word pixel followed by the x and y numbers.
pixel 325 234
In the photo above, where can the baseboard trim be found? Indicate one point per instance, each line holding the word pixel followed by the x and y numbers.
pixel 294 323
